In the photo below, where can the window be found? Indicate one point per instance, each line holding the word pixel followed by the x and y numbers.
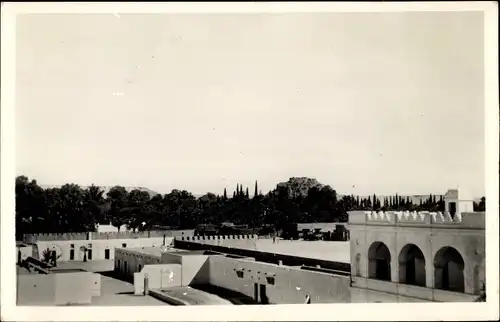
pixel 71 254
pixel 124 245
pixel 106 254
pixel 270 280
pixel 89 254
pixel 72 245
pixel 239 273
pixel 140 267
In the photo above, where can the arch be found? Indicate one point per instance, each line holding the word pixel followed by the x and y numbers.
pixel 412 265
pixel 358 264
pixel 449 270
pixel 379 261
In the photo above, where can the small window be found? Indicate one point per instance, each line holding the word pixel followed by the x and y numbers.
pixel 270 280
pixel 124 245
pixel 106 254
pixel 72 246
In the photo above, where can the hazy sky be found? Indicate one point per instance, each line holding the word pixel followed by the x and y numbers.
pixel 364 102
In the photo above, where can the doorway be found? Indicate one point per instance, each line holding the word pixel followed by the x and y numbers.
pixel 263 294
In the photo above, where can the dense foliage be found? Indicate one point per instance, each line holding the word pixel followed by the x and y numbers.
pixel 71 208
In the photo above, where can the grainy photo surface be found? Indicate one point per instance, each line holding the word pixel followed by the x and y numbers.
pixel 238 159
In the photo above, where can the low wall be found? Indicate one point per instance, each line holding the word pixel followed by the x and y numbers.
pixel 96 284
pixel 143 234
pixel 57 289
pixel 365 290
pixel 32 238
pixel 222 240
pixel 290 286
pixel 74 288
pixel 264 256
pixel 135 261
pixel 36 289
pixel 159 276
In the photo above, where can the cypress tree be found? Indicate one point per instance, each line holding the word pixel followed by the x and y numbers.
pixel 256 191
pixel 246 193
pixel 396 198
pixel 225 194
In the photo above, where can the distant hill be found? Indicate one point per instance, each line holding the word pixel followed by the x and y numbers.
pixel 107 188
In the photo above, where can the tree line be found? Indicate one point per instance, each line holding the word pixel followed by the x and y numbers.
pixel 71 208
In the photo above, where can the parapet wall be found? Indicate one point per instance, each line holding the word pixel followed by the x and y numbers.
pixel 273 258
pixel 434 219
pixel 57 289
pixel 33 238
pixel 278 284
pixel 222 240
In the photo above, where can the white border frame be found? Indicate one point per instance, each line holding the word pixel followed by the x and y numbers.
pixel 316 312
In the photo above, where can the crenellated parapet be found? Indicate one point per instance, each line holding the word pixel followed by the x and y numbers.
pixel 33 238
pixel 460 220
pixel 216 238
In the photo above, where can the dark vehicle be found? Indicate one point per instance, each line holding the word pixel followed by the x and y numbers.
pixel 206 230
pixel 309 234
pixel 267 229
pixel 290 232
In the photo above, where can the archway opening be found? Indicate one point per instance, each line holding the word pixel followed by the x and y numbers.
pixel 411 266
pixel 449 270
pixel 379 262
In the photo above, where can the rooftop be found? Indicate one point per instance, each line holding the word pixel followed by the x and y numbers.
pixel 152 251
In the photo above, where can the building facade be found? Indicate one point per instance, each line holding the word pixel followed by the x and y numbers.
pixel 418 256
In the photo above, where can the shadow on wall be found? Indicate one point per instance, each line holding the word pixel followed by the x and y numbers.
pixel 272 284
pixel 265 256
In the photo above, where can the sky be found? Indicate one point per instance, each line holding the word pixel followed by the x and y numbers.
pixel 364 102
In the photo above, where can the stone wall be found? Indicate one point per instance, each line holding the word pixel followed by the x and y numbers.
pixel 365 290
pixel 100 247
pixel 33 238
pixel 128 262
pixel 265 256
pixel 222 240
pixel 277 284
pixel 76 288
pixel 159 276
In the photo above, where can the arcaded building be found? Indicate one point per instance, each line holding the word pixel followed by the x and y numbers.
pixel 418 256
